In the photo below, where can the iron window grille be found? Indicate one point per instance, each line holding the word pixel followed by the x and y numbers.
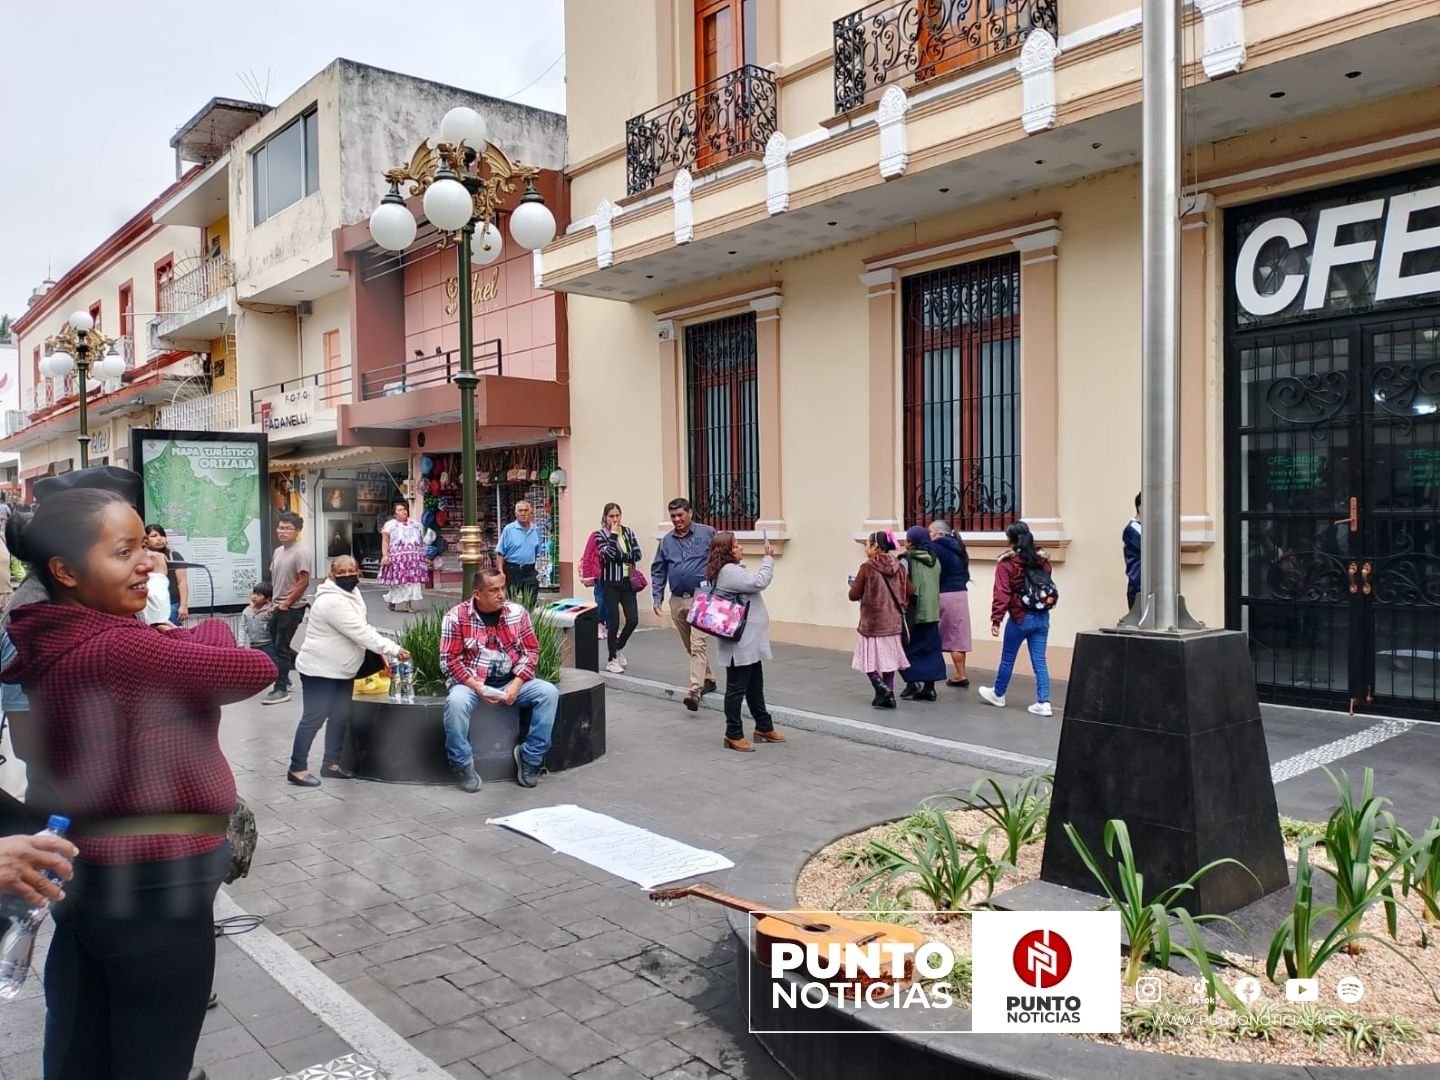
pixel 723 421
pixel 961 358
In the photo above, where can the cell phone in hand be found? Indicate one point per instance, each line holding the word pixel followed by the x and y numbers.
pixel 852 579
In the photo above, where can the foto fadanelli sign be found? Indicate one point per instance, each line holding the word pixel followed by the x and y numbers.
pixel 1028 972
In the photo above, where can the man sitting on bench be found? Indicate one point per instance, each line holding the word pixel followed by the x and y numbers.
pixel 489 652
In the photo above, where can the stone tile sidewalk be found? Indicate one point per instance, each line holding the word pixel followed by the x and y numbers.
pixel 495 957
pixel 258 1031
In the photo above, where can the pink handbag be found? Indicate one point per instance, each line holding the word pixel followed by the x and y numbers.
pixel 717 615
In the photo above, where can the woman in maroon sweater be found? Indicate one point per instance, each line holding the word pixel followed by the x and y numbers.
pixel 130 720
pixel 1031 628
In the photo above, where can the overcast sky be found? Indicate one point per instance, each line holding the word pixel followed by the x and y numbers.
pixel 91 92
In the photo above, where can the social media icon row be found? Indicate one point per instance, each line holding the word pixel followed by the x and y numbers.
pixel 1149 990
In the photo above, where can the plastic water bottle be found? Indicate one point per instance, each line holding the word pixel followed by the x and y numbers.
pixel 18 944
pixel 407 680
pixel 397 689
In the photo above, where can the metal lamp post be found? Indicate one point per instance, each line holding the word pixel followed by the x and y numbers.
pixel 79 347
pixel 463 179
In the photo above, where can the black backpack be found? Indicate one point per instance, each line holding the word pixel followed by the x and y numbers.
pixel 1037 590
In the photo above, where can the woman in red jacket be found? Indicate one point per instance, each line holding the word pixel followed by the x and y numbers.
pixel 1030 627
pixel 131 753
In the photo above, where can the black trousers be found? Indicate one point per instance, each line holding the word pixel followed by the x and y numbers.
pixel 325 701
pixel 285 625
pixel 130 968
pixel 522 583
pixel 745 682
pixel 619 599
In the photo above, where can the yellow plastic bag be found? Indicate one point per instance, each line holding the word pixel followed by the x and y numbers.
pixel 379 683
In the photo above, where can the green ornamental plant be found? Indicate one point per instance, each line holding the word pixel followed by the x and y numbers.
pixel 1422 870
pixel 948 869
pixel 1148 923
pixel 1298 943
pixel 1354 843
pixel 421 636
pixel 1018 815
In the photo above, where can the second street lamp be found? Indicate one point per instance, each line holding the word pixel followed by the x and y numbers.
pixel 462 180
pixel 79 347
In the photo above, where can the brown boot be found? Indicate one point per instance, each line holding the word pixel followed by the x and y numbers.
pixel 742 744
pixel 768 736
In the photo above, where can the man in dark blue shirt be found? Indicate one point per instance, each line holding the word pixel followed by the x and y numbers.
pixel 680 563
pixel 1131 540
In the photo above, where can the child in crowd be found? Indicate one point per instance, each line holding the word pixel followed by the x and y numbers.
pixel 255 620
pixel 882 587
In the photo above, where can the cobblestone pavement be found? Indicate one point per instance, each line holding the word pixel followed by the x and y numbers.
pixel 498 958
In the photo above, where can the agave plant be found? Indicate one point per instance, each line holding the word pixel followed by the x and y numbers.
pixel 1018 815
pixel 1298 943
pixel 1354 842
pixel 948 869
pixel 1422 870
pixel 1148 922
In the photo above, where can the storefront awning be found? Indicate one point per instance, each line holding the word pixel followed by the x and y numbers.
pixel 343 456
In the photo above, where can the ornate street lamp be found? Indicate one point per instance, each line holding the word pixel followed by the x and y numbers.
pixel 463 178
pixel 78 347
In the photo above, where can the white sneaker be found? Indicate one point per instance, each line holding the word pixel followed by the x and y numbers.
pixel 993 698
pixel 1041 708
pixel 614 667
pixel 624 663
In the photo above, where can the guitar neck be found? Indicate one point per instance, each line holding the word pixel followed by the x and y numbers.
pixel 704 892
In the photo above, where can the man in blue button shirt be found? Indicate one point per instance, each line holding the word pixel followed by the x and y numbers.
pixel 680 563
pixel 518 549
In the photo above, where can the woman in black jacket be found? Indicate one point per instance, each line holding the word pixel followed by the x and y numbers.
pixel 619 553
pixel 954 598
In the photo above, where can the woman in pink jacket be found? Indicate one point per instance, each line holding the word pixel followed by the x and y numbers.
pixel 590 576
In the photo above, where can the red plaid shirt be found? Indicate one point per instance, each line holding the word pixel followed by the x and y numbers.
pixel 471 650
pixel 129 719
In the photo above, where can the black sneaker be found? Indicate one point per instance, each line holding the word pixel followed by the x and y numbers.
pixel 276 697
pixel 910 691
pixel 526 775
pixel 708 688
pixel 467 779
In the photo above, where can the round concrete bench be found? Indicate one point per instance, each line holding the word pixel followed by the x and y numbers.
pixel 402 743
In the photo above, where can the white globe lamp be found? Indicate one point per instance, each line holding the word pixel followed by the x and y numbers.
pixel 447 204
pixel 61 364
pixel 82 322
pixel 463 124
pixel 392 225
pixel 112 366
pixel 488 246
pixel 532 225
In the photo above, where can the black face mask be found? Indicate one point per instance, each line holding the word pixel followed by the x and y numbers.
pixel 348 583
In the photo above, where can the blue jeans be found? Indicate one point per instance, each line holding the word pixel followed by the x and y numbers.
pixel 1035 631
pixel 543 699
pixel 601 608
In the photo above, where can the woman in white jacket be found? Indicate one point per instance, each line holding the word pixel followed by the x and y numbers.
pixel 335 643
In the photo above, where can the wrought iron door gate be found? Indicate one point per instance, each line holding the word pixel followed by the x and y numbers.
pixel 1334 486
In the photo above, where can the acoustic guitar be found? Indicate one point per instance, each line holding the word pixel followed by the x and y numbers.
pixel 817 928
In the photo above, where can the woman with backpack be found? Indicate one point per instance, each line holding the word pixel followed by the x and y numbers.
pixel 922 649
pixel 1025 591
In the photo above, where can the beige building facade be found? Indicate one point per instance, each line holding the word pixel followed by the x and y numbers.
pixel 828 286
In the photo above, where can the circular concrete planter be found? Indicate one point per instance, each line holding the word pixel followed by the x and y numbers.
pixel 821 1044
pixel 402 743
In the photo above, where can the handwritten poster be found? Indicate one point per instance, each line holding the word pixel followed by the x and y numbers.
pixel 627 851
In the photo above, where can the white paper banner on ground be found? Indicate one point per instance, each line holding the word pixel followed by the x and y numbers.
pixel 627 851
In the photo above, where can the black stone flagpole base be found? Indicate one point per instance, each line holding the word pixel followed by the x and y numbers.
pixel 1164 732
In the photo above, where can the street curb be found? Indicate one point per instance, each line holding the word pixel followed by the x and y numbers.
pixel 987 758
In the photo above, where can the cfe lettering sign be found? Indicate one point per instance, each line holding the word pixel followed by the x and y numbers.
pixel 1352 251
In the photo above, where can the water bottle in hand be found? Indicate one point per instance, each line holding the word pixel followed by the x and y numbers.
pixel 18 944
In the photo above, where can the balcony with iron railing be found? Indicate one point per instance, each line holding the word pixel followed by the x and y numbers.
pixel 194 303
pixel 717 122
pixel 210 412
pixel 434 370
pixel 918 41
